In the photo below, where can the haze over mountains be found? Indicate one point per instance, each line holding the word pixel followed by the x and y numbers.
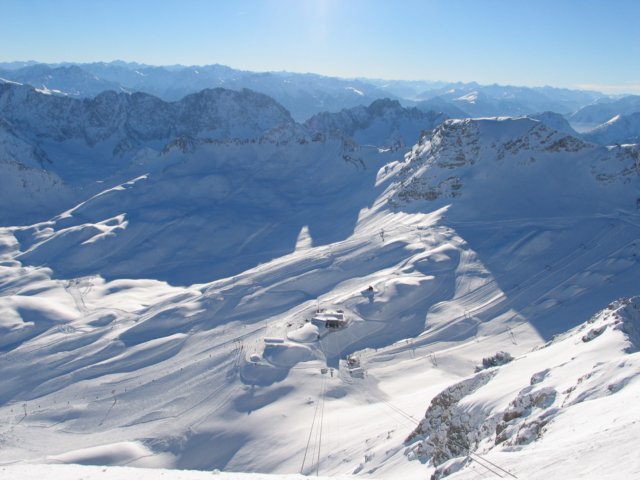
pixel 302 94
pixel 176 242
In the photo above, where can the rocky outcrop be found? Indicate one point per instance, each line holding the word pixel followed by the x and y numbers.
pixel 213 113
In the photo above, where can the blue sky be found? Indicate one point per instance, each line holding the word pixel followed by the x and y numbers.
pixel 572 43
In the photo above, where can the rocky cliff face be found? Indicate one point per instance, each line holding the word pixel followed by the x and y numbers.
pixel 494 165
pixel 384 123
pixel 57 150
pixel 508 407
pixel 95 143
pixel 220 114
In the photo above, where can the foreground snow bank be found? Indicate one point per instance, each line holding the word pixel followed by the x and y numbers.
pixel 582 382
pixel 77 472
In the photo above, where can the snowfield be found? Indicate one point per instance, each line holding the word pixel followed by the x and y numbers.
pixel 298 306
pixel 80 472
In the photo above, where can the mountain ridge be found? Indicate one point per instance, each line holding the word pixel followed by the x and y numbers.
pixel 302 94
pixel 174 314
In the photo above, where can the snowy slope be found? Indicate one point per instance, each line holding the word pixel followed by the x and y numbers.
pixel 215 113
pixel 525 165
pixel 91 145
pixel 244 204
pixel 554 121
pixel 231 166
pixel 545 413
pixel 488 100
pixel 27 187
pixel 490 235
pixel 604 110
pixel 439 104
pixel 67 80
pixel 384 123
pixel 620 129
pixel 79 472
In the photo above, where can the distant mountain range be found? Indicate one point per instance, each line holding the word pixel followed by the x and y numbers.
pixel 604 110
pixel 302 94
pixel 307 95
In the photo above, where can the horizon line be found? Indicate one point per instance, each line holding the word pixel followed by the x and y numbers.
pixel 591 87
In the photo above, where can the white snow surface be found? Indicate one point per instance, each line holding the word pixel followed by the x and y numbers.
pixel 82 472
pixel 489 235
pixel 575 404
pixel 621 129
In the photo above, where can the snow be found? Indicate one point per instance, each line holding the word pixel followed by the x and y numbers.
pixel 47 91
pixel 303 95
pixel 4 80
pixel 355 90
pixel 621 129
pixel 613 119
pixel 149 321
pixel 164 319
pixel 581 424
pixel 471 97
pixel 78 472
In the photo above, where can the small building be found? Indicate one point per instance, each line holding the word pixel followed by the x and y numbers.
pixel 353 367
pixel 333 319
pixel 353 361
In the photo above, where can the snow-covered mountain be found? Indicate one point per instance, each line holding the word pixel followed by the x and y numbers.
pixel 70 80
pixel 303 95
pixel 555 121
pixel 519 405
pixel 67 149
pixel 478 104
pixel 342 291
pixel 447 164
pixel 232 165
pixel 439 104
pixel 620 129
pixel 491 100
pixel 218 114
pixel 384 123
pixel 604 110
pixel 27 186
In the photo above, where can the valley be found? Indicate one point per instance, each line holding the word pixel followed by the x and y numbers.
pixel 164 304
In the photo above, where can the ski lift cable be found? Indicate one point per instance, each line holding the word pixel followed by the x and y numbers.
pixel 485 466
pixel 417 422
pixel 309 445
pixel 321 403
pixel 313 421
pixel 491 463
pixel 403 420
pixel 399 411
pixel 317 436
pixel 321 425
pixel 560 264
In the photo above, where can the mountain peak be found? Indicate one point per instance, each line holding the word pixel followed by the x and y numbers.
pixel 216 113
pixel 384 123
pixel 377 107
pixel 507 167
pixel 621 129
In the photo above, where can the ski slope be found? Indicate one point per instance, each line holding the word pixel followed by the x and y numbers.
pixel 233 374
